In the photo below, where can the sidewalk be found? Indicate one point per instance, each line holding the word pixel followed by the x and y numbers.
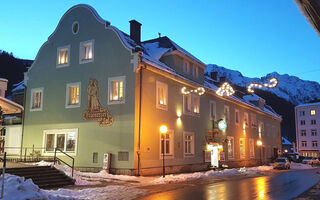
pixel 312 194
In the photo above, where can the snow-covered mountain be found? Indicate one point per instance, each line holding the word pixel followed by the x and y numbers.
pixel 290 88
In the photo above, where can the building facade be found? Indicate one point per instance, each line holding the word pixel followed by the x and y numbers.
pixel 307 129
pixel 94 90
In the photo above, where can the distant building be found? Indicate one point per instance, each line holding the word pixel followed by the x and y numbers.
pixel 307 117
pixel 94 90
pixel 287 146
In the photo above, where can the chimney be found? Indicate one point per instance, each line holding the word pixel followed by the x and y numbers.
pixel 261 103
pixel 3 87
pixel 222 79
pixel 214 76
pixel 135 31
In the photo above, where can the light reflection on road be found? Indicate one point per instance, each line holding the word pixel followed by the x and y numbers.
pixel 278 186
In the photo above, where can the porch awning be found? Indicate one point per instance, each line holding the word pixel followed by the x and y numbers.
pixel 10 107
pixel 311 10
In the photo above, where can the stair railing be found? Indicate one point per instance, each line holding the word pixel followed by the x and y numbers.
pixel 55 159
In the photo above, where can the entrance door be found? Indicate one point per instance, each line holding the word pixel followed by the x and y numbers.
pixel 215 156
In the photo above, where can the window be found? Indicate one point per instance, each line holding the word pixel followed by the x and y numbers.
pixel 123 156
pixel 86 51
pixel 166 143
pixel 313 132
pixel 230 147
pixel 313 122
pixel 36 101
pixel 162 95
pixel 253 120
pixel 191 104
pixel 251 148
pixel 303 132
pixel 227 113
pixel 212 110
pixel 188 143
pixel 304 143
pixel 246 118
pixel 63 139
pixel 302 113
pixel 237 116
pixel 195 71
pixel 186 67
pixel 63 55
pixel 302 122
pixel 75 27
pixel 95 157
pixel 73 95
pixel 116 90
pixel 312 112
pixel 314 143
pixel 261 129
pixel 242 148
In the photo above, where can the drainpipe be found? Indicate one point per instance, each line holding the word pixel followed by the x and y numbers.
pixel 140 103
pixel 23 116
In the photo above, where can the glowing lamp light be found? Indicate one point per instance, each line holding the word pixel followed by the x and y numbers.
pixel 222 125
pixel 286 150
pixel 220 147
pixel 163 129
pixel 273 82
pixel 259 143
pixel 225 90
pixel 200 91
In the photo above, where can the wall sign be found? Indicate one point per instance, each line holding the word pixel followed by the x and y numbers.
pixel 94 111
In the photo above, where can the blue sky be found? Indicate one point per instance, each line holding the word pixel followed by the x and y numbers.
pixel 254 37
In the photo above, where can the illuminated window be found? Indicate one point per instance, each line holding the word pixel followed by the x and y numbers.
pixel 64 139
pixel 188 144
pixel 304 143
pixel 212 110
pixel 63 56
pixel 186 67
pixel 251 148
pixel 242 148
pixel 86 51
pixel 253 120
pixel 303 133
pixel 237 116
pixel 73 95
pixel 227 113
pixel 312 112
pixel 313 132
pixel 230 147
pixel 36 99
pixel 191 104
pixel 246 118
pixel 116 90
pixel 162 95
pixel 166 144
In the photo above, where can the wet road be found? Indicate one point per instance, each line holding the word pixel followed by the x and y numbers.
pixel 282 186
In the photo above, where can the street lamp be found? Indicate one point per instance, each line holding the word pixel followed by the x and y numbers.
pixel 163 132
pixel 259 144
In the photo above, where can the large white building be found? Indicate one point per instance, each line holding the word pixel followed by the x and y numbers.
pixel 308 129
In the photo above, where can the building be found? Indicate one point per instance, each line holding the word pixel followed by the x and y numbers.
pixel 287 146
pixel 94 90
pixel 307 129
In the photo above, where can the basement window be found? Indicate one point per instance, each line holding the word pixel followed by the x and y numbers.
pixel 123 156
pixel 95 157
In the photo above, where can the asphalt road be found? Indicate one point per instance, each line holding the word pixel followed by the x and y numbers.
pixel 286 185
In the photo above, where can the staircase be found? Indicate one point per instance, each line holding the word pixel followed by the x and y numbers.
pixel 46 177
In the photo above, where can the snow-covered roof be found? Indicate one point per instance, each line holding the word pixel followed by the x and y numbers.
pixel 3 79
pixel 18 87
pixel 309 104
pixel 285 141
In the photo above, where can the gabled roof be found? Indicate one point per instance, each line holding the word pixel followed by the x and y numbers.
pixel 309 104
pixel 10 107
pixel 285 141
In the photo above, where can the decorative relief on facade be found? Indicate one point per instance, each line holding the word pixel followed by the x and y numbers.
pixel 94 111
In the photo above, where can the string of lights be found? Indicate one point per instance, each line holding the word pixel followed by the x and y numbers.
pixel 200 91
pixel 225 90
pixel 273 82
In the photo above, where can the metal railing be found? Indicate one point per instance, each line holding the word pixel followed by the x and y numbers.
pixel 55 159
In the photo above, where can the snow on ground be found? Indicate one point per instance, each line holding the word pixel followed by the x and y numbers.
pixel 300 166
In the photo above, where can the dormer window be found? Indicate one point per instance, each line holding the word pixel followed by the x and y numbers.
pixel 186 67
pixel 195 71
pixel 63 55
pixel 86 51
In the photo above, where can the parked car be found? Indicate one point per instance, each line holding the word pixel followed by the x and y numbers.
pixel 295 157
pixel 281 163
pixel 311 161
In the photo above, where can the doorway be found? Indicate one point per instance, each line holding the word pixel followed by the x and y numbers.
pixel 215 156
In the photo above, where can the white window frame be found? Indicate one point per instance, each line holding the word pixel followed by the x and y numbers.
pixel 303 133
pixel 69 59
pixel 213 110
pixel 192 144
pixel 251 147
pixel 68 105
pixel 314 132
pixel 191 97
pixel 304 143
pixel 302 113
pixel 33 90
pixel 158 105
pixel 236 111
pixel 226 114
pixel 230 157
pixel 117 78
pixel 56 132
pixel 253 120
pixel 186 67
pixel 81 48
pixel 314 143
pixel 246 116
pixel 244 146
pixel 313 122
pixel 171 148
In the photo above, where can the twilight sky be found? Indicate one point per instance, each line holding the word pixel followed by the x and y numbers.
pixel 253 37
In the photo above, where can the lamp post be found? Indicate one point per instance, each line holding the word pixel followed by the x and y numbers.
pixel 163 132
pixel 259 144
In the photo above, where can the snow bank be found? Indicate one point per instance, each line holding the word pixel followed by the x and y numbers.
pixel 300 166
